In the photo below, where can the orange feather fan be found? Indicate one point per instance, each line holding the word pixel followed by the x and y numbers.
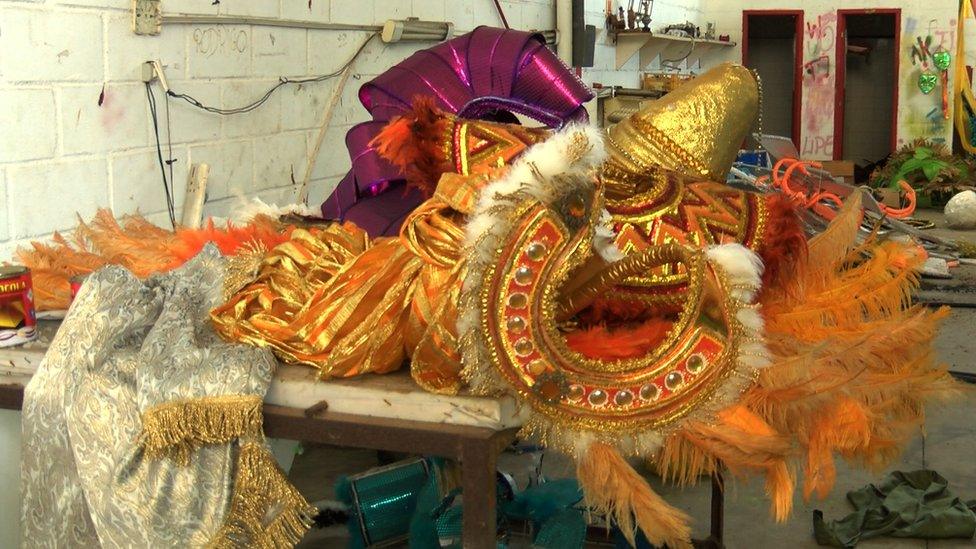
pixel 852 358
pixel 135 244
pixel 852 366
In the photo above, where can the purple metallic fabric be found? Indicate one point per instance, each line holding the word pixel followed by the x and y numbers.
pixel 488 73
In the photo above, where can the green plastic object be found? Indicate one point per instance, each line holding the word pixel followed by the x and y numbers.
pixel 566 529
pixel 927 81
pixel 942 60
pixel 384 499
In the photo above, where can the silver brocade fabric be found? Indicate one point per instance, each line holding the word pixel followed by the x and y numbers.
pixel 126 346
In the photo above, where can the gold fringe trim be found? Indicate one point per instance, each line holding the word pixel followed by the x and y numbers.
pixel 177 428
pixel 265 510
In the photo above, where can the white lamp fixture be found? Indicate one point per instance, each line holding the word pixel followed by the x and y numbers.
pixel 413 29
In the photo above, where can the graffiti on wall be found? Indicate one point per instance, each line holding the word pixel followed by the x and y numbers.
pixel 817 121
pixel 926 82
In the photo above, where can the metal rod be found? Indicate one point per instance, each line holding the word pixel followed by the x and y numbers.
pixel 323 129
pixel 550 35
pixel 191 19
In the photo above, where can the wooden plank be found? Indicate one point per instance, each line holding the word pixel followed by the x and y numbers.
pixel 195 196
pixel 375 433
pixel 393 395
pixel 650 52
pixel 627 46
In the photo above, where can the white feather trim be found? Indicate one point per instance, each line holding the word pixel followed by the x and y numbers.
pixel 603 239
pixel 743 267
pixel 245 210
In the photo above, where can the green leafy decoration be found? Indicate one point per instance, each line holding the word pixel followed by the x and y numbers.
pixel 928 167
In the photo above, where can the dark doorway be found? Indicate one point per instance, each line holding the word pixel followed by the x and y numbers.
pixel 772 45
pixel 867 83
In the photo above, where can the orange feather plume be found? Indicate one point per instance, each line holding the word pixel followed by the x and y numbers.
pixel 134 243
pixel 262 232
pixel 619 342
pixel 414 143
pixel 611 486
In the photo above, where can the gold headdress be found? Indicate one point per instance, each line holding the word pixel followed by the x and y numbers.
pixel 696 129
pixel 659 175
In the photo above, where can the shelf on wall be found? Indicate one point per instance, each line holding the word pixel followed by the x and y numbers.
pixel 650 46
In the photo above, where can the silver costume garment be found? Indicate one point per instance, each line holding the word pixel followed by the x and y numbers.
pixel 126 349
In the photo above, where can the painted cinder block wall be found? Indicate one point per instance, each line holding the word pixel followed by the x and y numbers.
pixel 919 115
pixel 62 153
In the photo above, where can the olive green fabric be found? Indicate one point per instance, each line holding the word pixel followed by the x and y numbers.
pixel 916 504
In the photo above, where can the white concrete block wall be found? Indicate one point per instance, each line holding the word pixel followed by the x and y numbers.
pixel 63 154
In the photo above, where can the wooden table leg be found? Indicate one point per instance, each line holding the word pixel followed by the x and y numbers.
pixel 718 510
pixel 479 461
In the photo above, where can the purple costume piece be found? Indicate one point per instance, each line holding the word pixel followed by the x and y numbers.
pixel 488 73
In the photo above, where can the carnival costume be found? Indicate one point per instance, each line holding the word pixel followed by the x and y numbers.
pixel 693 362
pixel 638 306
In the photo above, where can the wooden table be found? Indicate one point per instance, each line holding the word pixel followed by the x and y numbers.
pixel 388 413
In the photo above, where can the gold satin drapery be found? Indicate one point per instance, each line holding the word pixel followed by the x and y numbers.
pixel 331 299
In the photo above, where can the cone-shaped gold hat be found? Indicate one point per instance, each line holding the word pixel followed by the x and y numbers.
pixel 697 129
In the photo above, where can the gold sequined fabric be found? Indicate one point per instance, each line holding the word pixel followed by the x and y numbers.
pixel 695 129
pixel 475 146
pixel 659 175
pixel 136 421
pixel 685 211
pixel 334 300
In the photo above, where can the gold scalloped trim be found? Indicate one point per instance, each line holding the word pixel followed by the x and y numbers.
pixel 260 488
pixel 175 429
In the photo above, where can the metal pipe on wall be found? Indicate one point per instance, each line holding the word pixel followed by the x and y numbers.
pixel 551 36
pixel 564 30
pixel 192 19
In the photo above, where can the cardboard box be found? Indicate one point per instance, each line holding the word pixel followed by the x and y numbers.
pixel 890 197
pixel 840 168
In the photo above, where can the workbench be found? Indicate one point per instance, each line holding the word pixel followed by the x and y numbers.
pixel 388 412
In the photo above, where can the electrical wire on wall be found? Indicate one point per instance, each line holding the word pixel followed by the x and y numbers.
pixel 281 82
pixel 672 63
pixel 501 14
pixel 167 181
pixel 166 166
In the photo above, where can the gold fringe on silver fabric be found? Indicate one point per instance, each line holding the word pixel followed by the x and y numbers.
pixel 175 429
pixel 265 510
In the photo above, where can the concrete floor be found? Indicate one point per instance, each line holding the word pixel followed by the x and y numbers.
pixel 947 445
